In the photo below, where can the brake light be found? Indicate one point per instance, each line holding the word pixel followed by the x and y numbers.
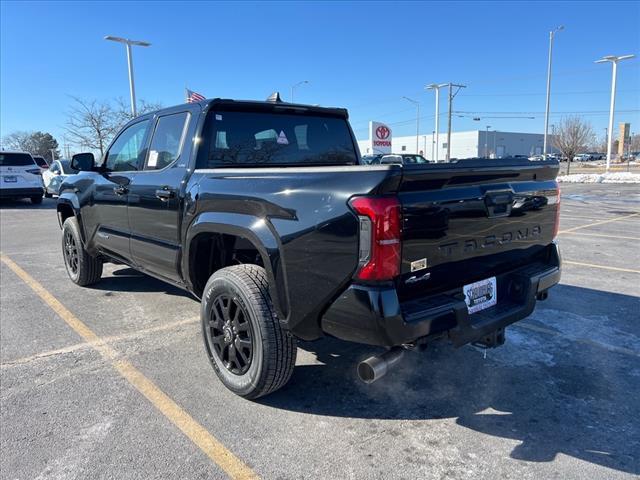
pixel 556 227
pixel 379 252
pixel 35 171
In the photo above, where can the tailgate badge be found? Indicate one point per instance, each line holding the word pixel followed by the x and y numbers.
pixel 419 265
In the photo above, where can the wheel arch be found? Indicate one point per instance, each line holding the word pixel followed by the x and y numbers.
pixel 68 206
pixel 248 229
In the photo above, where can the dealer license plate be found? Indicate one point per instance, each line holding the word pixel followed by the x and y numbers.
pixel 10 178
pixel 480 295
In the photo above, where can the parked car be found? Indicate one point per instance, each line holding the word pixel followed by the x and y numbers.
pixel 596 156
pixel 401 158
pixel 20 177
pixel 41 161
pixel 582 157
pixel 270 219
pixel 55 175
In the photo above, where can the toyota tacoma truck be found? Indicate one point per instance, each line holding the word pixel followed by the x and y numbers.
pixel 264 212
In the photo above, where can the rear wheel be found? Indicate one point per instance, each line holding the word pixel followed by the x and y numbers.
pixel 250 351
pixel 36 199
pixel 82 268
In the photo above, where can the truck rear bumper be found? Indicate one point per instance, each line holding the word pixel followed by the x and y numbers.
pixel 375 316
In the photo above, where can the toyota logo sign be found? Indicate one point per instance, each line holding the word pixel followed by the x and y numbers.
pixel 382 132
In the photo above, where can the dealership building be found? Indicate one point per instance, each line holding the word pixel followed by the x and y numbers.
pixel 475 143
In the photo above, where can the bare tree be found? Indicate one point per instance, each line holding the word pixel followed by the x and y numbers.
pixel 91 124
pixel 122 109
pixel 36 143
pixel 572 135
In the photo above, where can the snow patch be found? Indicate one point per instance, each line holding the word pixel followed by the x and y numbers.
pixel 611 177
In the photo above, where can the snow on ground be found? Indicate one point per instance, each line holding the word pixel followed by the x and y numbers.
pixel 611 177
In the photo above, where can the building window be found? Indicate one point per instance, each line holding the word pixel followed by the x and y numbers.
pixel 404 148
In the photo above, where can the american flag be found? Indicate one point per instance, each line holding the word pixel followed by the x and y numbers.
pixel 193 97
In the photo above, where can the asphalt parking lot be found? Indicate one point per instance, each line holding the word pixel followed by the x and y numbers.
pixel 112 381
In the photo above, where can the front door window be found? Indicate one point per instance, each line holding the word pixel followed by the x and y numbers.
pixel 124 154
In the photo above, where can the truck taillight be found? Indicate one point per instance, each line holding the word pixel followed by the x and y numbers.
pixel 556 227
pixel 379 252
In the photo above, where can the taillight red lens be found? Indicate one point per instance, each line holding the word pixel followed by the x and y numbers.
pixel 382 260
pixel 556 227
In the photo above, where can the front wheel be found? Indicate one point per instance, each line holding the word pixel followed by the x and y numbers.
pixel 82 268
pixel 250 351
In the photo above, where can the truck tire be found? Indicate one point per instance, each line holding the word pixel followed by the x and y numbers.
pixel 36 199
pixel 82 268
pixel 250 351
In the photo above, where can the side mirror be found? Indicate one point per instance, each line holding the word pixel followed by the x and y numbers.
pixel 84 162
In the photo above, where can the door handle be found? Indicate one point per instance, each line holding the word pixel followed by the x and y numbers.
pixel 120 190
pixel 165 193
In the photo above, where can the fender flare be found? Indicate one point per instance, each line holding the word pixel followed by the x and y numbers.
pixel 261 233
pixel 73 202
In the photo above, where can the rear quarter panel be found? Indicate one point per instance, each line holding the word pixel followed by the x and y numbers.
pixel 305 210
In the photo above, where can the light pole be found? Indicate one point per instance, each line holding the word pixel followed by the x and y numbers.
pixel 495 152
pixel 417 104
pixel 436 87
pixel 433 144
pixel 486 142
pixel 552 34
pixel 293 87
pixel 614 61
pixel 128 43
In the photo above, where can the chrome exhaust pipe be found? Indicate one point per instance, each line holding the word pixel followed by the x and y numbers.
pixel 376 367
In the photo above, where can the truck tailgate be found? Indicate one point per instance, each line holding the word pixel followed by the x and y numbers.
pixel 469 220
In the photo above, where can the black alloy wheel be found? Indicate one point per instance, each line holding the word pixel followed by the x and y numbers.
pixel 229 334
pixel 71 252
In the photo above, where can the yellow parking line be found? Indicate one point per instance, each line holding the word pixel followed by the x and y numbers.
pixel 617 237
pixel 603 267
pixel 599 223
pixel 212 447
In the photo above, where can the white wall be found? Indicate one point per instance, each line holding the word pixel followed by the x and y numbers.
pixel 468 144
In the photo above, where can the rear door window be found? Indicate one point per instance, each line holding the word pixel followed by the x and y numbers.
pixel 16 160
pixel 167 141
pixel 277 139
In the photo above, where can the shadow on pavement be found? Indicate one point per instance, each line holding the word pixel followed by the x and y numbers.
pixel 581 401
pixel 127 279
pixel 25 204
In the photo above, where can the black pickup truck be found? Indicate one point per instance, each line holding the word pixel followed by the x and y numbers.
pixel 263 211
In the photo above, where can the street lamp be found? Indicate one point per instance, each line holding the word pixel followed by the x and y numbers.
pixel 417 104
pixel 614 61
pixel 486 142
pixel 552 34
pixel 437 87
pixel 293 87
pixel 128 43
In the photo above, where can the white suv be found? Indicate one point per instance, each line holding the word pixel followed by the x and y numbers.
pixel 20 177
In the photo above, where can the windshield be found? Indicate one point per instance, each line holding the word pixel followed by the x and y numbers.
pixel 41 161
pixel 269 139
pixel 66 167
pixel 16 160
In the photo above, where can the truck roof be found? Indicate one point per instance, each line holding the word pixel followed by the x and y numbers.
pixel 268 106
pixel 274 106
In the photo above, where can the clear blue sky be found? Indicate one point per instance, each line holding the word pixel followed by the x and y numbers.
pixel 363 56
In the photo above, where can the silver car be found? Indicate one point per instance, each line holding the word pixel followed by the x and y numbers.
pixel 55 175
